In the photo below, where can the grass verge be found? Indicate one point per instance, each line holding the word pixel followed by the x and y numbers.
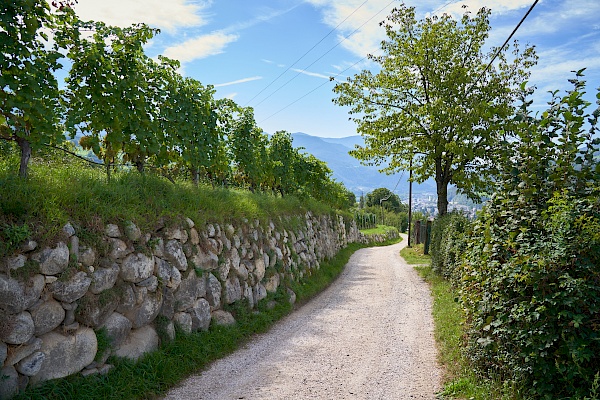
pixel 156 372
pixel 414 255
pixel 460 379
pixel 379 230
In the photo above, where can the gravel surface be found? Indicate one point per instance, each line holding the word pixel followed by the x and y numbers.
pixel 368 336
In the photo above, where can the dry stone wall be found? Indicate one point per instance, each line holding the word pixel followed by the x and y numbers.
pixel 128 284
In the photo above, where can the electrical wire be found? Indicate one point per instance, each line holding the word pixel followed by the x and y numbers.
pixel 327 52
pixel 309 50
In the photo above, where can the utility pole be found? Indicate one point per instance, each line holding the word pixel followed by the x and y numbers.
pixel 409 200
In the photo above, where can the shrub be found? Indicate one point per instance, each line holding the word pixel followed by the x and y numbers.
pixel 449 241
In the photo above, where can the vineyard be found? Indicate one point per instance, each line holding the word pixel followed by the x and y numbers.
pixel 132 111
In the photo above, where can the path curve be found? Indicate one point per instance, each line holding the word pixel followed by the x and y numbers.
pixel 368 336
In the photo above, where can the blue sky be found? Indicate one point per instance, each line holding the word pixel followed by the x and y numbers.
pixel 277 55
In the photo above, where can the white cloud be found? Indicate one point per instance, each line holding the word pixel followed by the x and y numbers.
pixel 168 15
pixel 244 80
pixel 231 96
pixel 200 47
pixel 497 6
pixel 302 71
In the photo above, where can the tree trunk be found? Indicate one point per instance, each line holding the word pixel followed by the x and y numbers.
pixel 442 196
pixel 139 164
pixel 195 176
pixel 25 147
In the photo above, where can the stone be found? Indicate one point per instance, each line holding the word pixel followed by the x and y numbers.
pixel 175 255
pixel 132 232
pixel 31 364
pixel 151 283
pixel 128 299
pixel 223 318
pixel 3 352
pixel 194 237
pixel 104 278
pixel 139 342
pixel 94 309
pixel 272 284
pixel 184 321
pixel 87 256
pixel 17 296
pixel 223 270
pixel 71 290
pixel 205 260
pixel 66 354
pixel 158 247
pixel 259 292
pixel 166 273
pixel 15 262
pixel 17 329
pixel 68 229
pixel 210 230
pixel 233 290
pixel 47 317
pixel 145 312
pixel 117 328
pixel 112 231
pixel 189 290
pixel 200 313
pixel 117 249
pixel 53 261
pixel 249 295
pixel 74 247
pixel 10 382
pixel 259 269
pixel 105 369
pixel 22 351
pixel 137 267
pixel 213 291
pixel 173 233
pixel 29 245
pixel 189 222
pixel 168 304
pixel 291 296
pixel 170 330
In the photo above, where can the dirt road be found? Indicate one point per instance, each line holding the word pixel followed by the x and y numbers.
pixel 369 336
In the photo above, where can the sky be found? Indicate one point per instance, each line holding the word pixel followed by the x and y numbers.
pixel 277 56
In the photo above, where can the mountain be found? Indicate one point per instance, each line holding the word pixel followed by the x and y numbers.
pixel 346 169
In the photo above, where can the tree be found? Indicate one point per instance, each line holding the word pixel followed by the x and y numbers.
pixel 433 100
pixel 113 94
pixel 385 198
pixel 29 96
pixel 283 156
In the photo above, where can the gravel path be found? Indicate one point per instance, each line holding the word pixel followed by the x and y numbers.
pixel 368 336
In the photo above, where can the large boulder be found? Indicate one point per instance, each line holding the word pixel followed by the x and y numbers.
pixel 192 287
pixel 184 321
pixel 233 290
pixel 104 278
pixel 213 291
pixel 47 316
pixel 200 313
pixel 66 354
pixel 167 273
pixel 117 327
pixel 53 261
pixel 175 255
pixel 32 364
pixel 71 290
pixel 139 342
pixel 94 309
pixel 16 328
pixel 17 296
pixel 223 318
pixel 146 311
pixel 137 267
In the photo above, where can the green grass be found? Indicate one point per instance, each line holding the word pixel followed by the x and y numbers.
pixel 158 371
pixel 378 230
pixel 56 193
pixel 461 381
pixel 414 255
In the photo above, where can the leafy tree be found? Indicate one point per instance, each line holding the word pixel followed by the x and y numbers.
pixel 385 198
pixel 284 158
pixel 29 96
pixel 531 281
pixel 246 142
pixel 433 100
pixel 113 93
pixel 189 122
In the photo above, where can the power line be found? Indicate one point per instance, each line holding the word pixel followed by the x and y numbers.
pixel 309 50
pixel 507 40
pixel 327 52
